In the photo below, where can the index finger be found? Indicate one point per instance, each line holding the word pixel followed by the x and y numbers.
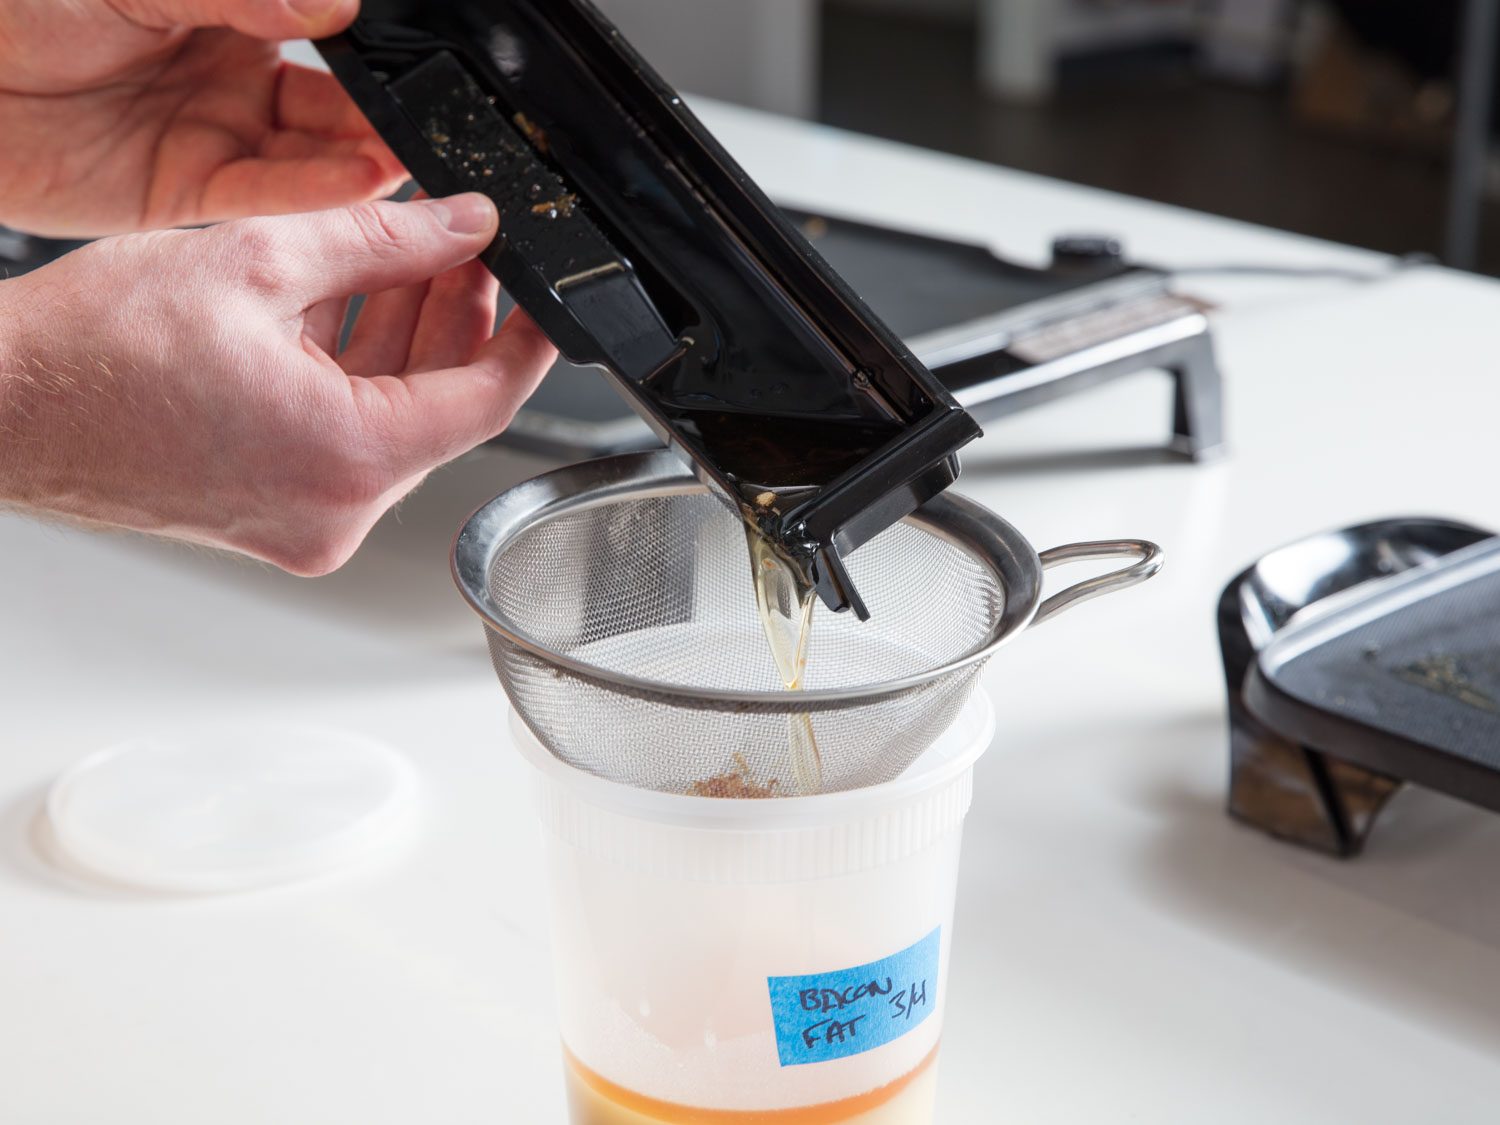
pixel 435 416
pixel 311 101
pixel 263 19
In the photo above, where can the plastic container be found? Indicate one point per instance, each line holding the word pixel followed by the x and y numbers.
pixel 756 960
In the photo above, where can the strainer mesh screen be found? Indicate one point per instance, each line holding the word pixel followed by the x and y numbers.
pixel 658 588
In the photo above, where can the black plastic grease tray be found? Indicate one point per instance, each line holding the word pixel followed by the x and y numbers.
pixel 637 244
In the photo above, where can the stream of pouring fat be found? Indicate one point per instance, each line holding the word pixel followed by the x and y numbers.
pixel 786 606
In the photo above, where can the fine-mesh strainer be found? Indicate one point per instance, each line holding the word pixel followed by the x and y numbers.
pixel 621 618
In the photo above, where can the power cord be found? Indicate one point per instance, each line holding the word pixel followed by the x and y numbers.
pixel 1311 273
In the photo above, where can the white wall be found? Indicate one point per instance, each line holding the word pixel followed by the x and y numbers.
pixel 762 53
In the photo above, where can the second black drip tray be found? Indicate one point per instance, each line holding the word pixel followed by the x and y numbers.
pixel 1357 662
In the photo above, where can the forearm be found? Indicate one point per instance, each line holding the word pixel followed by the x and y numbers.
pixel 50 399
pixel 72 433
pixel 14 392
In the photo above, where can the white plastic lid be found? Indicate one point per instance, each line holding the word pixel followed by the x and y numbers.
pixel 218 809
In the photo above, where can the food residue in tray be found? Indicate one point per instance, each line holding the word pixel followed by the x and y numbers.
pixel 1445 676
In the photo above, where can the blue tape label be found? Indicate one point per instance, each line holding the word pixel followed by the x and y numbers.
pixel 834 1015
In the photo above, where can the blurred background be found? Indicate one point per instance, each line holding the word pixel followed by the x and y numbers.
pixel 1361 121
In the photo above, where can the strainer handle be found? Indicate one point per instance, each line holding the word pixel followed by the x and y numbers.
pixel 1149 561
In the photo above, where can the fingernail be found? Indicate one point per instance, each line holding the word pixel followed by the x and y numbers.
pixel 471 213
pixel 315 10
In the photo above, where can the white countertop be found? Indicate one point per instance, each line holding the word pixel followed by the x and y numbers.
pixel 1122 951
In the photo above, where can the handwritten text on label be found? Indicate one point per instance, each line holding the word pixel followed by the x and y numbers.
pixel 825 1016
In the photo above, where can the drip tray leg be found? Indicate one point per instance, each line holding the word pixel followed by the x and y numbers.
pixel 1301 795
pixel 1198 401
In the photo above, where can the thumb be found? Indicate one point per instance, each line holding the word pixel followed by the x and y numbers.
pixel 262 19
pixel 368 248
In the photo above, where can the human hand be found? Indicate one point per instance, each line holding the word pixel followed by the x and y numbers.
pixel 185 382
pixel 122 115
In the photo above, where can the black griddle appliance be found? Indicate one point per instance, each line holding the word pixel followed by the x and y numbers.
pixel 640 247
pixel 1001 336
pixel 1358 662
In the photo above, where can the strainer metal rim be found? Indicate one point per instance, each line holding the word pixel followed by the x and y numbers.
pixel 487 534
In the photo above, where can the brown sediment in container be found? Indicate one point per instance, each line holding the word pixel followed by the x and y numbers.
pixel 736 785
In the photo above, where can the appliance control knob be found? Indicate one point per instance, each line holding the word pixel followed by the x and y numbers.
pixel 1073 251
